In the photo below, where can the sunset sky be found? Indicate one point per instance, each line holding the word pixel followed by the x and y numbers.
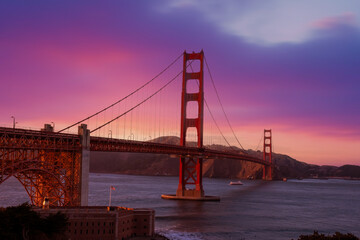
pixel 292 66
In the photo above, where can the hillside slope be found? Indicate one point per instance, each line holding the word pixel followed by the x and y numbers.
pixel 164 165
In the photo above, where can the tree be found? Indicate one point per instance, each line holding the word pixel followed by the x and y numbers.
pixel 21 222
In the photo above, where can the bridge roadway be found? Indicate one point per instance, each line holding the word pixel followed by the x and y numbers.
pixel 15 139
pixel 119 145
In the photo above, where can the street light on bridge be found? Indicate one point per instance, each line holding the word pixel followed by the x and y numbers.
pixel 14 123
pixel 131 137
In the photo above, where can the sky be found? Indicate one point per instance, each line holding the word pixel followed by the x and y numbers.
pixel 289 66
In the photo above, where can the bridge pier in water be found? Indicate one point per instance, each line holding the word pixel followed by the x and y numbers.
pixel 190 170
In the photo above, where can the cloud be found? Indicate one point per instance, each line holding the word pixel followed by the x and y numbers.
pixel 311 87
pixel 273 21
pixel 347 18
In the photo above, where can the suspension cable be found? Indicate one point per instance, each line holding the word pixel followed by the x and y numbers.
pixel 217 126
pixel 257 148
pixel 137 105
pixel 222 107
pixel 132 93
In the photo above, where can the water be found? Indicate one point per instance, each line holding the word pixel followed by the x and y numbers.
pixel 255 210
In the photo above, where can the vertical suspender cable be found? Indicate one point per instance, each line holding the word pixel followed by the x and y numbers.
pixel 222 107
pixel 138 89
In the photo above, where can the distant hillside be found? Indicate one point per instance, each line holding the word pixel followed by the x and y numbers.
pixel 164 165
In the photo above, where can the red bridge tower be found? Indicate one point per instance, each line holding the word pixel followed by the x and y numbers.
pixel 267 170
pixel 190 167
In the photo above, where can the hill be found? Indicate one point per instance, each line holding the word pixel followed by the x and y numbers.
pixel 165 165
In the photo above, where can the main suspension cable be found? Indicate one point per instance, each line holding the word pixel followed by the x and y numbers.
pixel 222 107
pixel 132 93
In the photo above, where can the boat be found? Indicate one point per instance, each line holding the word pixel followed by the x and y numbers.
pixel 236 183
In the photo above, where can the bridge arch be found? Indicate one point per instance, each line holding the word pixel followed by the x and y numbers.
pixel 41 179
pixel 47 164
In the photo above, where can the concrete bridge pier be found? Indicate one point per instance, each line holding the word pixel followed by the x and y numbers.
pixel 84 134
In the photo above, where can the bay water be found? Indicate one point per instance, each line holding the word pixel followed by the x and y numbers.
pixel 255 210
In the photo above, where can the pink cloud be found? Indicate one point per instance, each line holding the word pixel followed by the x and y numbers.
pixel 347 18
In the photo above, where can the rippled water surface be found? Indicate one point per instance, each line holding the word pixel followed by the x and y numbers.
pixel 255 210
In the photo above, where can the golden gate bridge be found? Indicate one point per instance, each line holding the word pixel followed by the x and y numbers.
pixel 55 165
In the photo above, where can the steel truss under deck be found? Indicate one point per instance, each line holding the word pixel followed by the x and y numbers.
pixel 47 164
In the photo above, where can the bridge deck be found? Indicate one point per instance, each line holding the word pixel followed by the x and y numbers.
pixel 31 139
pixel 23 139
pixel 119 145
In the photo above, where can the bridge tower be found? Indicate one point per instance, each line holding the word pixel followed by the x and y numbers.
pixel 190 170
pixel 267 170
